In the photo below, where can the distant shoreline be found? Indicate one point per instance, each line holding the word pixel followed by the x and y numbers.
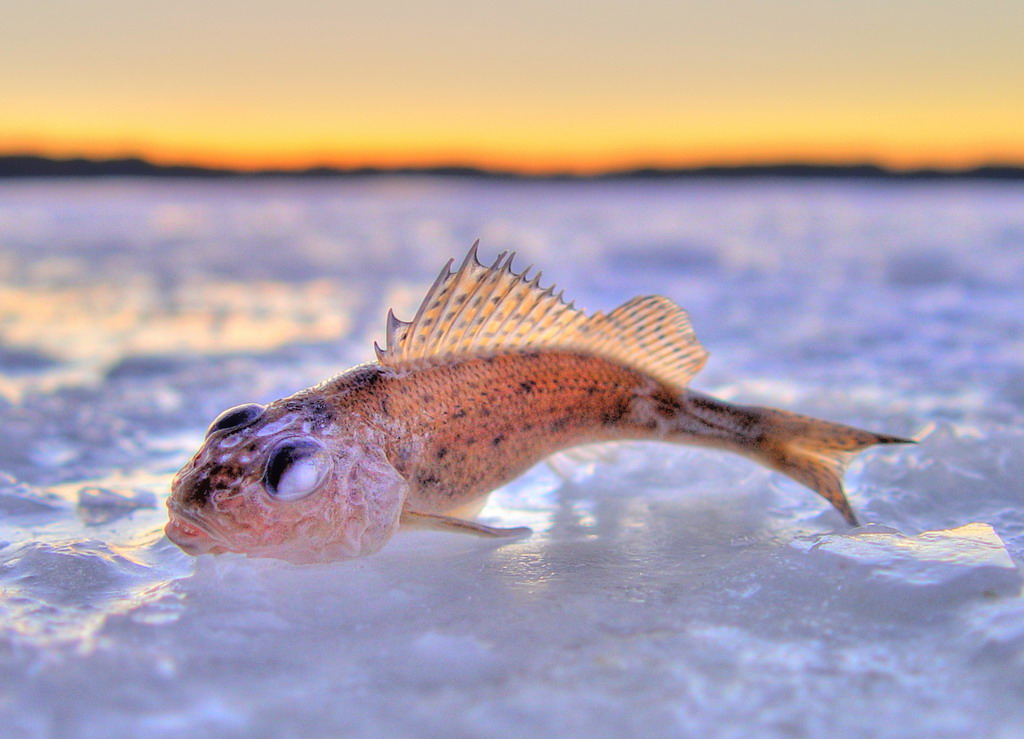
pixel 30 166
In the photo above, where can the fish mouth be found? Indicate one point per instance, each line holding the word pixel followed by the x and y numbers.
pixel 191 536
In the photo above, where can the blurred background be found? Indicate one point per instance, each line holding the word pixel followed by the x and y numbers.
pixel 529 86
pixel 205 204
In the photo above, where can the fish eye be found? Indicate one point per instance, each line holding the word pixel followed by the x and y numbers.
pixel 295 468
pixel 236 418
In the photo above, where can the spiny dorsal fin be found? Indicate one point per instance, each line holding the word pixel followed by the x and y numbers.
pixel 486 310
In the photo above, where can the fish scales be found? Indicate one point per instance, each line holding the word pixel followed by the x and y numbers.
pixel 469 426
pixel 493 374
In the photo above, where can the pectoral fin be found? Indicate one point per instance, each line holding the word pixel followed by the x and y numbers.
pixel 437 522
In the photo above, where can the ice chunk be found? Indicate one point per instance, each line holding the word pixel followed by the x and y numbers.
pixel 579 463
pixel 69 571
pixel 101 505
pixel 930 558
pixel 51 453
pixel 17 498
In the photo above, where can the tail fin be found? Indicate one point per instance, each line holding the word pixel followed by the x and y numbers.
pixel 815 453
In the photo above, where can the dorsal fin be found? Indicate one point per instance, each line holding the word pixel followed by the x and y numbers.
pixel 477 310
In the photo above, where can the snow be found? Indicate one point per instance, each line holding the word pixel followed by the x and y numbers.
pixel 664 591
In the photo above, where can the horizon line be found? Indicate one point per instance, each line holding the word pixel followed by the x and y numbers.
pixel 28 165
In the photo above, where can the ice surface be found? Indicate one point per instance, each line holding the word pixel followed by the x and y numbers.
pixel 102 505
pixel 930 558
pixel 665 591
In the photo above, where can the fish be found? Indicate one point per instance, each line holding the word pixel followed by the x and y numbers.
pixel 493 374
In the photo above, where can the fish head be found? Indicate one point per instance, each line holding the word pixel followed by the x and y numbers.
pixel 295 480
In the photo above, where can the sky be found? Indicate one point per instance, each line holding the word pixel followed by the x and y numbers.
pixel 534 85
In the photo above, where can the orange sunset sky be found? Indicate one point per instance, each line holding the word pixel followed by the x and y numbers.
pixel 530 85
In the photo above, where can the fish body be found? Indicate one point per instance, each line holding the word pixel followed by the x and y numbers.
pixel 493 375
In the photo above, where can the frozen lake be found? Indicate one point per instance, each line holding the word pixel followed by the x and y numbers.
pixel 665 590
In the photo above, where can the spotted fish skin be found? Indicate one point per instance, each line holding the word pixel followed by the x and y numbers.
pixel 460 430
pixel 467 427
pixel 493 375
